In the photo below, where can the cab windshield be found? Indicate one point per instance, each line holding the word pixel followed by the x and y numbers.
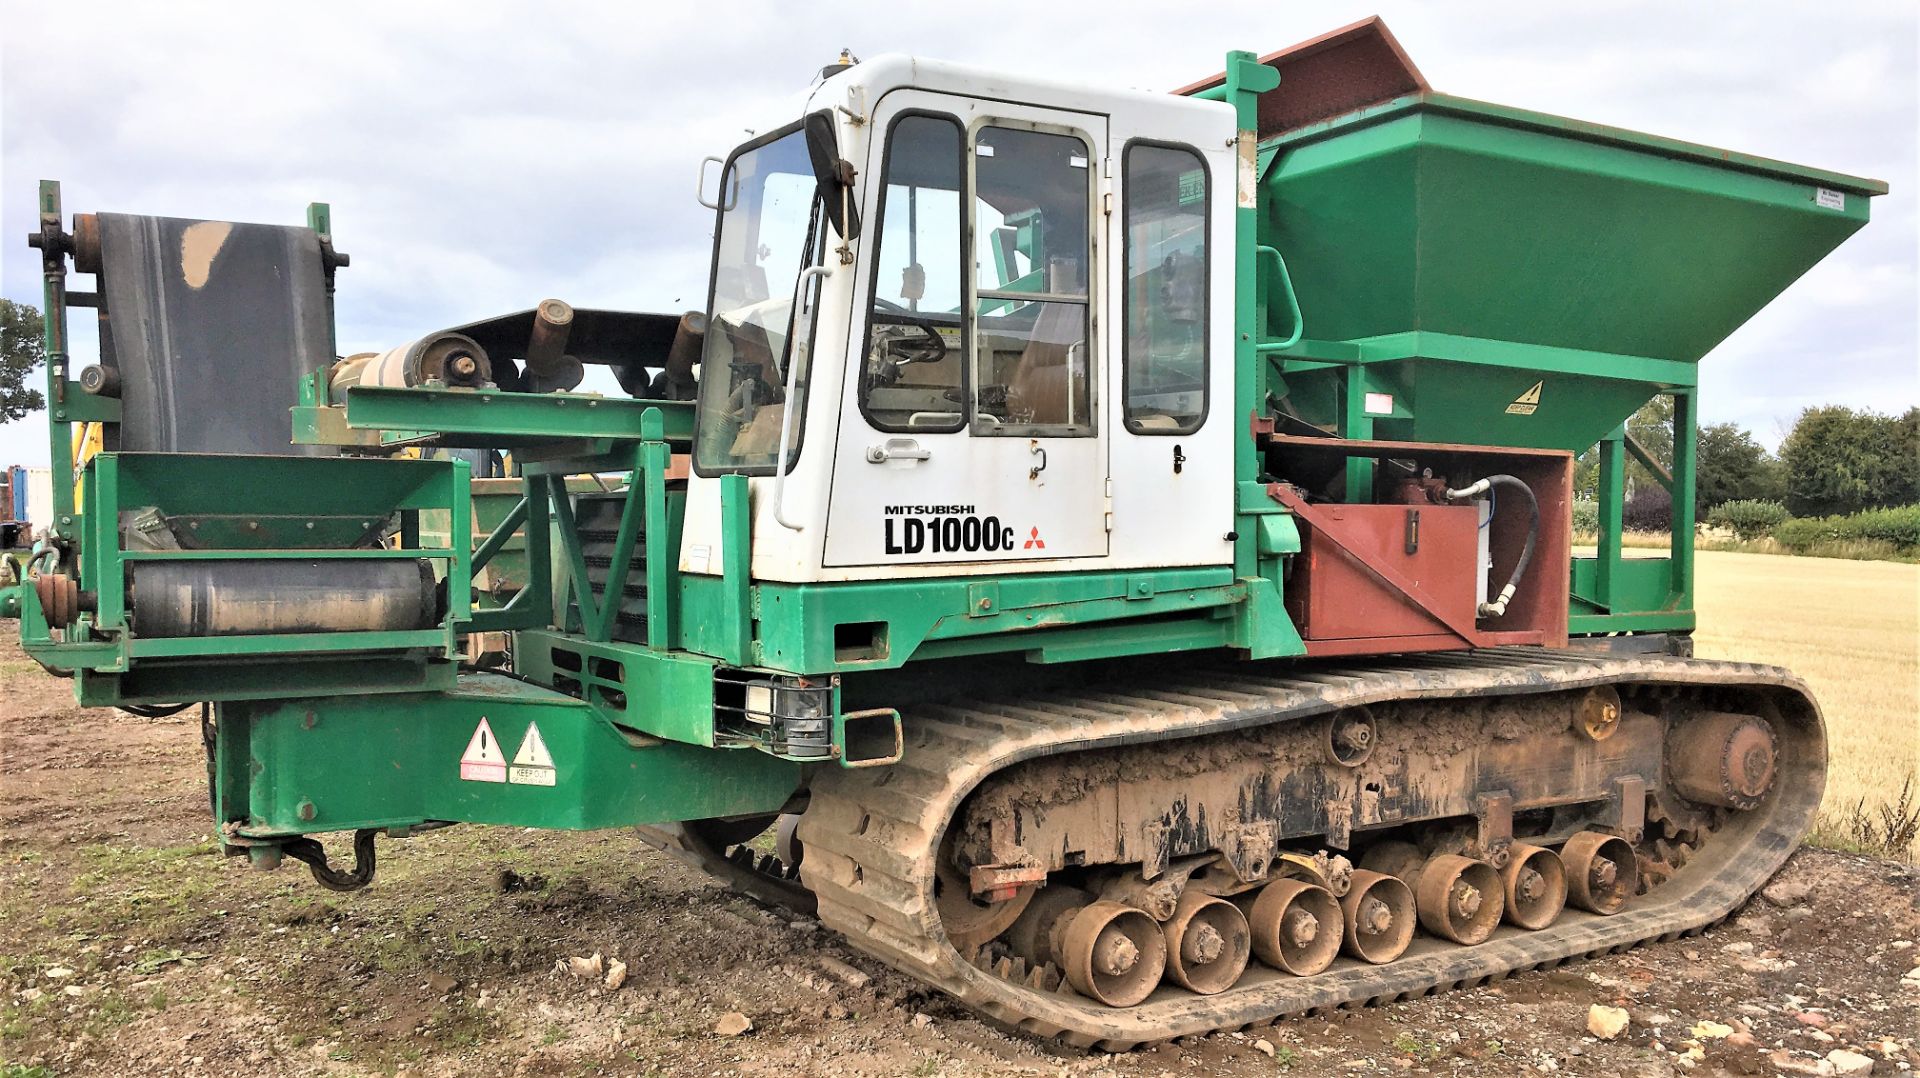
pixel 770 229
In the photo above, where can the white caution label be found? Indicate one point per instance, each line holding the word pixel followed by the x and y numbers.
pixel 1526 402
pixel 532 765
pixel 483 761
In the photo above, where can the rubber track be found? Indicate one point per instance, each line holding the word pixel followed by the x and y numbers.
pixel 871 835
pixel 689 847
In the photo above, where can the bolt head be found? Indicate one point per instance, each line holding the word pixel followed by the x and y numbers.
pixel 1202 944
pixel 1114 953
pixel 1603 873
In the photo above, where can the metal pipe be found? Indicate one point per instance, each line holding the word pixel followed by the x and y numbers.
pixel 549 368
pixel 1499 606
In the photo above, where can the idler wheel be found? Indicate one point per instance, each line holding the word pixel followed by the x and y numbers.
pixel 1111 953
pixel 1296 925
pixel 1207 943
pixel 1379 917
pixel 1723 759
pixel 1460 899
pixel 1031 935
pixel 786 841
pixel 1536 886
pixel 969 922
pixel 1601 872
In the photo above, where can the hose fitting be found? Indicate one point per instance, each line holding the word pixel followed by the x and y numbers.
pixel 1473 490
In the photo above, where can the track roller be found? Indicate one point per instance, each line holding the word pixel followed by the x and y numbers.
pixel 1296 926
pixel 1459 898
pixel 1379 916
pixel 1601 872
pixel 1207 943
pixel 1111 953
pixel 1536 886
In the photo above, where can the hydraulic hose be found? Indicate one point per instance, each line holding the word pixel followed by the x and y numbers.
pixel 1499 606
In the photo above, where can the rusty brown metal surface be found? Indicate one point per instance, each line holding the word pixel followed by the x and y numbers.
pixel 1459 899
pixel 1346 69
pixel 1722 759
pixel 1536 886
pixel 878 886
pixel 1111 953
pixel 1379 917
pixel 1600 713
pixel 1538 611
pixel 86 243
pixel 1208 943
pixel 1296 926
pixel 1361 574
pixel 59 598
pixel 549 368
pixel 1602 873
pixel 1171 807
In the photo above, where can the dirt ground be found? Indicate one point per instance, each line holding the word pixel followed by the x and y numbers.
pixel 129 945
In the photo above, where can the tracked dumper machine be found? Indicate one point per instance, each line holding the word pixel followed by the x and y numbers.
pixel 1106 552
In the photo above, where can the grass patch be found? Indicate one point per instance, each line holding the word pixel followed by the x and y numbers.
pixel 1852 630
pixel 1887 829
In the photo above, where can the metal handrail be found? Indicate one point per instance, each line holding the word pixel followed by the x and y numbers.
pixel 1293 303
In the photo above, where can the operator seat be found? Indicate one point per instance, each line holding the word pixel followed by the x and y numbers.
pixel 1044 385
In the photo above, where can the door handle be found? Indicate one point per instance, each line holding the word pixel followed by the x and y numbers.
pixel 896 449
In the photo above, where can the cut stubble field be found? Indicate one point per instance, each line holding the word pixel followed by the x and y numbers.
pixel 1852 630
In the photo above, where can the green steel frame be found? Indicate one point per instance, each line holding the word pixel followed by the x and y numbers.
pixel 323 732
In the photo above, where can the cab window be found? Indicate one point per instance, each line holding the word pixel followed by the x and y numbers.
pixel 770 228
pixel 1032 348
pixel 912 373
pixel 1164 373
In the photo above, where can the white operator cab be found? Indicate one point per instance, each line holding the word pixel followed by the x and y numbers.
pixel 1022 363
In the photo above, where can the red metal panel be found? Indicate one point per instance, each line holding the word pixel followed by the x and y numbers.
pixel 1333 598
pixel 1331 75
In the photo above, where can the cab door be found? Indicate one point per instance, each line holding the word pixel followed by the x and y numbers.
pixel 973 428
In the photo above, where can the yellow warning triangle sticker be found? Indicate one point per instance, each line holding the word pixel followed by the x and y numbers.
pixel 1526 403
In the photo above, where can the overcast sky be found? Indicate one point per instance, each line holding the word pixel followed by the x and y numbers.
pixel 480 156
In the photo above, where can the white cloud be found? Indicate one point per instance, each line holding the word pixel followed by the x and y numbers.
pixel 479 156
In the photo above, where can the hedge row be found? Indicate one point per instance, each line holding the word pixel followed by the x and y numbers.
pixel 1898 526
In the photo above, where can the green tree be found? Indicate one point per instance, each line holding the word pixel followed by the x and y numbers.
pixel 1733 467
pixel 1840 461
pixel 1652 427
pixel 21 351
